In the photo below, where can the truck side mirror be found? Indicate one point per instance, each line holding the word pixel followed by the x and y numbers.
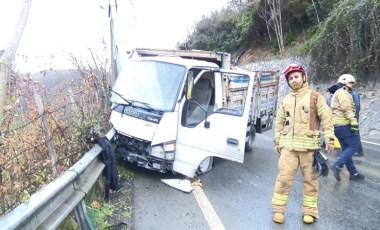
pixel 190 84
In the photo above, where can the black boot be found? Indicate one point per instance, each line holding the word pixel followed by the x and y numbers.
pixel 357 176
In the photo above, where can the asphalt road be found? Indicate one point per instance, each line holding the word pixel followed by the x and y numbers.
pixel 239 196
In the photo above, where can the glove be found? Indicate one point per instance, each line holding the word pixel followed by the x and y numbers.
pixel 354 126
pixel 320 163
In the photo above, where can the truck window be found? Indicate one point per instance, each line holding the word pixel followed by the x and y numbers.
pixel 200 104
pixel 213 96
pixel 234 94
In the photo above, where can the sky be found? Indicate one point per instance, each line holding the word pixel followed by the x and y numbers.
pixel 58 28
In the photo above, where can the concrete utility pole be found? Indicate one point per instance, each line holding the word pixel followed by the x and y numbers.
pixel 6 60
pixel 115 69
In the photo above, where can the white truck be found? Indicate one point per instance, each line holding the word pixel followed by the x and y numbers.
pixel 175 111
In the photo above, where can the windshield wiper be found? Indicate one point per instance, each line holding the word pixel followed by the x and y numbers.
pixel 144 103
pixel 121 96
pixel 147 105
pixel 132 102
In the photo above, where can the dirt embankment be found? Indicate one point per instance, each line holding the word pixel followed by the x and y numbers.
pixel 254 54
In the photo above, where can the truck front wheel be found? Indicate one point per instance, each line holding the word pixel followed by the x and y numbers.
pixel 250 144
pixel 205 166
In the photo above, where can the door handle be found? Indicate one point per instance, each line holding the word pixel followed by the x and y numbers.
pixel 232 142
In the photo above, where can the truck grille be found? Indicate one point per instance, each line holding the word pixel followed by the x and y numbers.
pixel 132 145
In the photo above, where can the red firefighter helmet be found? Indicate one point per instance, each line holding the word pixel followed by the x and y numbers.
pixel 291 68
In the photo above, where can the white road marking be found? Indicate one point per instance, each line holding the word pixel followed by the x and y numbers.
pixel 369 142
pixel 207 209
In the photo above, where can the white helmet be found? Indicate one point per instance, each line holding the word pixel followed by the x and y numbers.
pixel 346 78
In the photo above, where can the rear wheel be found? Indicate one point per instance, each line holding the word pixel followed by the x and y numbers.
pixel 251 142
pixel 205 166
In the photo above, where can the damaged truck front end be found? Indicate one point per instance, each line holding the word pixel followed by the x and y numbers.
pixel 143 154
pixel 144 113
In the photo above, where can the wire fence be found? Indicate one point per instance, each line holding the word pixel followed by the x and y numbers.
pixel 47 129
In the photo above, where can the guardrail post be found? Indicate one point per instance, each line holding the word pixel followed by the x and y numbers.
pixel 80 214
pixel 45 127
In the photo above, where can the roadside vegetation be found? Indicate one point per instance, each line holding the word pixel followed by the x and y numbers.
pixel 45 132
pixel 340 36
pixel 116 213
pixel 50 121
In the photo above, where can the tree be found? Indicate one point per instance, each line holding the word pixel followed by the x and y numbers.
pixel 6 60
pixel 316 12
pixel 264 14
pixel 348 42
pixel 271 13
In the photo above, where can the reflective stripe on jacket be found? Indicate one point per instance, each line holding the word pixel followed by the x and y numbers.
pixel 297 126
pixel 342 107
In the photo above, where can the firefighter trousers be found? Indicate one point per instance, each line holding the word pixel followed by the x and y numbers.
pixel 288 165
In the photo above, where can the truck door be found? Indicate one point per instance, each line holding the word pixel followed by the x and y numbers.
pixel 213 123
pixel 265 105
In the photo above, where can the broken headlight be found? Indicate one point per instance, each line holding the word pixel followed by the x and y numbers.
pixel 163 151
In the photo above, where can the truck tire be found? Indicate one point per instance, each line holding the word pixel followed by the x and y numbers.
pixel 250 144
pixel 205 166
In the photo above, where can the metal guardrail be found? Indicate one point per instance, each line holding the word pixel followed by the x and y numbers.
pixel 47 208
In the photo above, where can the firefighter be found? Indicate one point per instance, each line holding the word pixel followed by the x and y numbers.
pixel 346 127
pixel 296 137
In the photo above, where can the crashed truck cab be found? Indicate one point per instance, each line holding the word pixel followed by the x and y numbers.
pixel 170 114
